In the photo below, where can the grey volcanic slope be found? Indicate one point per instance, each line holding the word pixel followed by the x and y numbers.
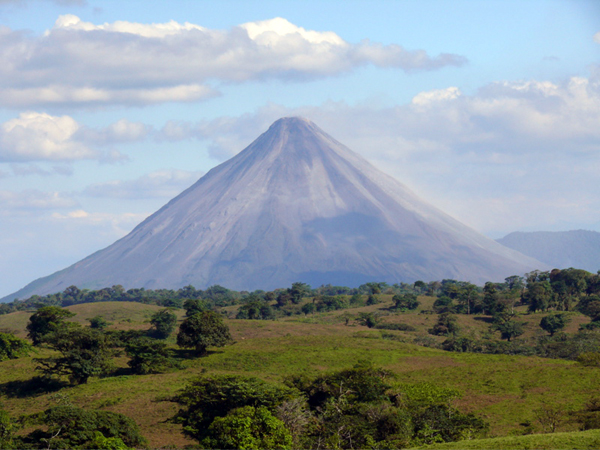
pixel 295 205
pixel 562 249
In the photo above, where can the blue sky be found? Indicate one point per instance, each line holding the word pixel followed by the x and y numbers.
pixel 490 110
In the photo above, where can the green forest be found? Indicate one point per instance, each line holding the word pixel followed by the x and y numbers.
pixel 444 364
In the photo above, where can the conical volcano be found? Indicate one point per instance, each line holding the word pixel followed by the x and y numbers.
pixel 295 205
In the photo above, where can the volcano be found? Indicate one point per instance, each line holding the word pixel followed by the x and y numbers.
pixel 295 205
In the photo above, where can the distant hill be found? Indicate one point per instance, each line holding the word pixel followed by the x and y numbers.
pixel 561 249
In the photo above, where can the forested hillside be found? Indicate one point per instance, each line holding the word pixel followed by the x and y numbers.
pixel 379 366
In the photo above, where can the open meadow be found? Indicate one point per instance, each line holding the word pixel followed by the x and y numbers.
pixel 504 390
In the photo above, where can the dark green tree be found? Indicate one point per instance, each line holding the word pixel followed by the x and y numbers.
pixel 148 356
pixel 445 325
pixel 98 322
pixel 84 353
pixel 420 285
pixel 492 296
pixel 46 320
pixel 444 304
pixel 163 323
pixel 553 323
pixel 372 299
pixel 367 319
pixel 202 330
pixel 255 310
pixel 209 397
pixel 568 285
pixel 508 327
pixel 537 296
pixel 362 383
pixel 195 305
pixel 405 301
pixel 248 428
pixel 69 427
pixel 468 297
pixel 298 291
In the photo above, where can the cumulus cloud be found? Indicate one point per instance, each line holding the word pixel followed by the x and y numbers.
pixel 159 184
pixel 35 136
pixel 597 37
pixel 81 63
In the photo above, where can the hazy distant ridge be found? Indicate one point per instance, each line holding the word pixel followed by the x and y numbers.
pixel 559 249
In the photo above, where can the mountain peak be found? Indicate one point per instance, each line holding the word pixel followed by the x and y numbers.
pixel 291 120
pixel 295 205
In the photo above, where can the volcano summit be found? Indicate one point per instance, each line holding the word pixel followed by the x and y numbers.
pixel 295 205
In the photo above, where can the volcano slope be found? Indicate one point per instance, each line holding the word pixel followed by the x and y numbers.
pixel 295 205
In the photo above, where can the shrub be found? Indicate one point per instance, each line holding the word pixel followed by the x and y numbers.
pixel 11 347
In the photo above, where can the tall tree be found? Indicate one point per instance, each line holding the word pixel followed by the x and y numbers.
pixel 85 352
pixel 202 330
pixel 553 323
pixel 46 320
pixel 163 322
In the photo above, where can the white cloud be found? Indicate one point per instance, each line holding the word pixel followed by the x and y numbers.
pixel 33 201
pixel 530 150
pixel 35 136
pixel 81 63
pixel 68 94
pixel 432 97
pixel 597 37
pixel 159 184
pixel 121 131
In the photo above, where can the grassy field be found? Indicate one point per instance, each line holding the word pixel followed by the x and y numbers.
pixel 582 440
pixel 505 390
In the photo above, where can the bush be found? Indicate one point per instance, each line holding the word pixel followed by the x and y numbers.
pixel 11 347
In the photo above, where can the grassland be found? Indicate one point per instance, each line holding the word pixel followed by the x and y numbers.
pixel 582 440
pixel 505 390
